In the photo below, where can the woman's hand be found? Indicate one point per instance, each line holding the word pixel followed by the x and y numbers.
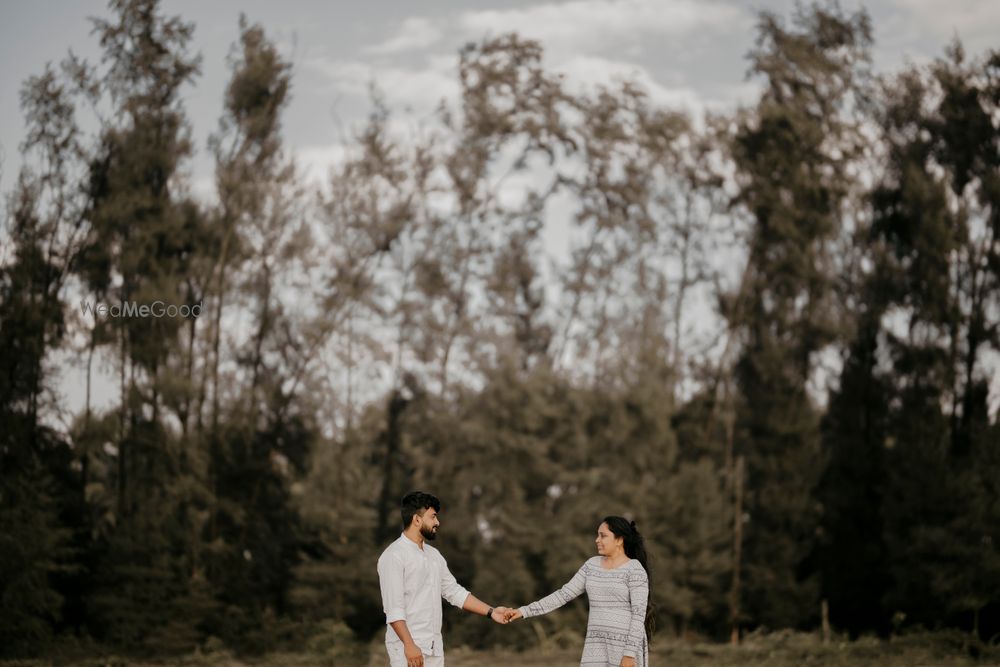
pixel 628 662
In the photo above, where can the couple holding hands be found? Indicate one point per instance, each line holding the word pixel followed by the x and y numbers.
pixel 414 577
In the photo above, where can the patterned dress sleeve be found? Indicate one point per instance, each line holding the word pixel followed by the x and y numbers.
pixel 638 591
pixel 573 589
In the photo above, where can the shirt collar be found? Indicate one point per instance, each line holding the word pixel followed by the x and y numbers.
pixel 411 543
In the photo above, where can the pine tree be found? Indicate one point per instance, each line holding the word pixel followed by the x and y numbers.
pixel 38 488
pixel 936 214
pixel 855 428
pixel 140 248
pixel 790 153
pixel 32 535
pixel 261 430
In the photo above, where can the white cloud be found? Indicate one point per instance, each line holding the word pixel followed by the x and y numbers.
pixel 584 24
pixel 591 41
pixel 918 31
pixel 971 19
pixel 419 88
pixel 203 187
pixel 315 162
pixel 414 33
pixel 733 95
pixel 583 73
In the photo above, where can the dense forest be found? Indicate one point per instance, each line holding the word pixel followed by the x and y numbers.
pixel 829 450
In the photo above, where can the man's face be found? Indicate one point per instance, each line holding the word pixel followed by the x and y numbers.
pixel 428 523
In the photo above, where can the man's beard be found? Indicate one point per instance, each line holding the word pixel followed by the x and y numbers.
pixel 428 533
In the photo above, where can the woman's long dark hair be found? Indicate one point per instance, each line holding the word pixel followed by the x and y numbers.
pixel 635 547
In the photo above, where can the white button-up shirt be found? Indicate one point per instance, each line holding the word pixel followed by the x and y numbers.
pixel 413 581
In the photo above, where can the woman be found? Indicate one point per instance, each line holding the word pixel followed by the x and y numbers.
pixel 617 584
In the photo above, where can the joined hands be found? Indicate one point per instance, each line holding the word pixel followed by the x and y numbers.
pixel 513 615
pixel 504 615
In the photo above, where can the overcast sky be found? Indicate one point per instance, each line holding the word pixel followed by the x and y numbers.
pixel 688 53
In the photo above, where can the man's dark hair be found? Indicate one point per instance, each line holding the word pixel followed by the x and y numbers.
pixel 416 502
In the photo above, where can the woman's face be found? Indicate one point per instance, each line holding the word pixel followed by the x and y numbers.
pixel 607 543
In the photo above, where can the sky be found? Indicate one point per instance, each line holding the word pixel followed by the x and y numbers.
pixel 685 53
pixel 688 53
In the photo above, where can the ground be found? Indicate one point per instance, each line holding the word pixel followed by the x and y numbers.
pixel 782 649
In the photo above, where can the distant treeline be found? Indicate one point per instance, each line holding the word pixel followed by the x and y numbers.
pixel 401 327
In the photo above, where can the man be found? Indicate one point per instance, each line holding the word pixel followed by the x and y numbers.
pixel 414 577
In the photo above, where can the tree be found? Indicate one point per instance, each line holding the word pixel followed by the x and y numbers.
pixel 855 431
pixel 43 227
pixel 791 153
pixel 936 214
pixel 140 247
pixel 261 430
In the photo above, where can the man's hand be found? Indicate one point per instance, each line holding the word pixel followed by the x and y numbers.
pixel 414 656
pixel 513 615
pixel 627 661
pixel 499 615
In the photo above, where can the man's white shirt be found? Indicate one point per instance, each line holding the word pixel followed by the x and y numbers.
pixel 413 581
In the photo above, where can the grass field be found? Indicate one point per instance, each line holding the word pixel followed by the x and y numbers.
pixel 781 649
pixel 787 651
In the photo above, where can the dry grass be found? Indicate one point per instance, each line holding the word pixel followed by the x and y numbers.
pixel 785 649
pixel 793 654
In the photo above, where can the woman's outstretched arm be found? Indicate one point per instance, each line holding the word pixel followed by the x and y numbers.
pixel 573 589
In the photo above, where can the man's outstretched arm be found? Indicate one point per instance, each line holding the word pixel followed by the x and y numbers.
pixel 454 593
pixel 477 606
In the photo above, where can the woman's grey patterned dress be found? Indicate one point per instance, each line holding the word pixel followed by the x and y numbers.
pixel 616 626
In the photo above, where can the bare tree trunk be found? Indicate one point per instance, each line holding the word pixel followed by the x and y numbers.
pixel 397 404
pixel 186 410
pixel 262 330
pixel 217 333
pixel 577 300
pixel 734 591
pixel 133 461
pixel 84 454
pixel 825 613
pixel 685 283
pixel 458 312
pixel 155 394
pixel 350 369
pixel 90 366
pixel 203 383
pixel 122 420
